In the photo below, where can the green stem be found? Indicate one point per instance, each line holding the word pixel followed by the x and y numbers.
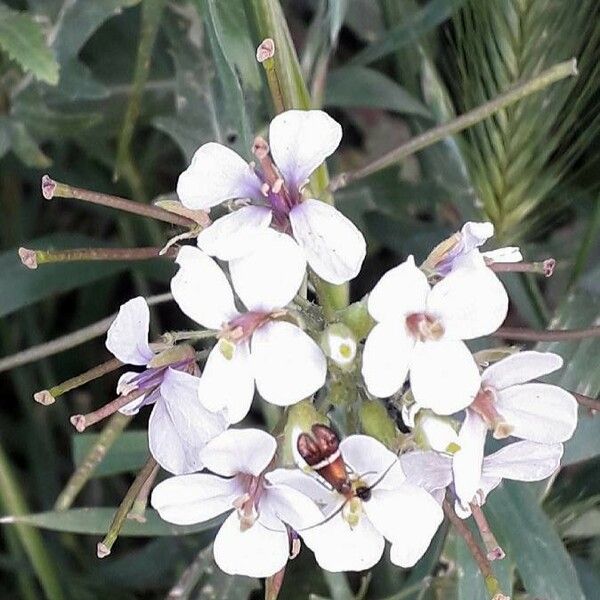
pixel 434 135
pixel 105 546
pixel 13 502
pixel 95 455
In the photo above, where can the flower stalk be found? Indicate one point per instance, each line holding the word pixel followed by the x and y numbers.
pixel 33 258
pixel 494 550
pixel 543 267
pixel 138 509
pixel 549 335
pixel 55 189
pixel 264 55
pixel 104 547
pixel 548 77
pixel 47 397
pixel 81 422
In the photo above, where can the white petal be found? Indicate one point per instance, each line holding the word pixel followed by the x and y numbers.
pixel 288 505
pixel 180 426
pixel 439 433
pixel 443 376
pixel 133 407
pixel 255 552
pixel 236 234
pixel 338 547
pixel 201 289
pixel 300 141
pixel 408 517
pixel 467 462
pixel 334 247
pixel 509 254
pixel 429 470
pixel 475 234
pixel 216 174
pixel 287 364
pixel 520 368
pixel 538 412
pixel 240 451
pixel 227 384
pixel 386 358
pixel 188 499
pixel 372 461
pixel 523 461
pixel 127 337
pixel 471 302
pixel 305 483
pixel 269 276
pixel 401 291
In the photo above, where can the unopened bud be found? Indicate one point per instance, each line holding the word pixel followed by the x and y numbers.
pixel 357 318
pixel 339 344
pixel 376 422
pixel 436 433
pixel 172 355
pixel 300 418
pixel 266 50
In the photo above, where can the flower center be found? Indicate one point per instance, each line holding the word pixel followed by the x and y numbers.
pixel 278 195
pixel 485 406
pixel 424 327
pixel 247 503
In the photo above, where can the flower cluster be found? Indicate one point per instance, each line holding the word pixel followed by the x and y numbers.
pixel 345 497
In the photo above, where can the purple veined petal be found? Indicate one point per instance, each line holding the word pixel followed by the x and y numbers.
pixel 216 174
pixel 236 234
pixel 430 470
pixel 269 277
pixel 281 504
pixel 201 289
pixel 508 254
pixel 339 547
pixel 288 365
pixel 538 412
pixel 255 552
pixel 467 463
pixel 248 451
pixel 127 337
pixel 335 249
pixel 300 141
pixel 308 485
pixel 520 367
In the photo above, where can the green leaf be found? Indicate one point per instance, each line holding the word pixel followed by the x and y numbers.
pixel 426 19
pixel 23 40
pixel 529 538
pixel 128 453
pixel 21 287
pixel 23 145
pixel 96 521
pixel 580 372
pixel 351 87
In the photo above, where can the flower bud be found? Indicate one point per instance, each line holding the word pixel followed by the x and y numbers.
pixel 376 422
pixel 357 318
pixel 300 418
pixel 433 432
pixel 339 344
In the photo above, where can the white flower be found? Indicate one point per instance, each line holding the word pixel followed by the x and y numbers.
pixel 536 411
pixel 254 539
pixel 379 505
pixel 284 362
pixel 179 424
pixel 474 479
pixel 299 142
pixel 437 432
pixel 420 329
pixel 463 249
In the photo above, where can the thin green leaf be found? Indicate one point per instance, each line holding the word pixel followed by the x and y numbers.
pixel 20 287
pixel 529 538
pixel 434 13
pixel 96 521
pixel 24 146
pixel 127 454
pixel 23 40
pixel 351 87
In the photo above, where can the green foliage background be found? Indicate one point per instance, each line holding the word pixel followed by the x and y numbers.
pixel 115 95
